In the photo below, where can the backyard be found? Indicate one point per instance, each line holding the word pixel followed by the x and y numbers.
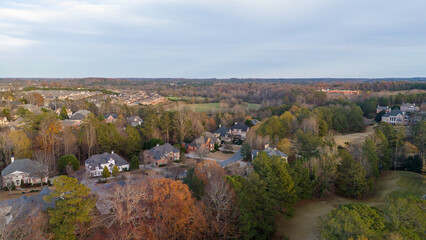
pixel 304 224
pixel 353 137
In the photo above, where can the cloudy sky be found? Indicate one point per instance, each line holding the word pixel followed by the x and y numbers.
pixel 213 38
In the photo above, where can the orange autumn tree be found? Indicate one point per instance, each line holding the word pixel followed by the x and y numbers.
pixel 175 213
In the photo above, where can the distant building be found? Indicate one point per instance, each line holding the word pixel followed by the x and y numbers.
pixel 24 171
pixel 239 130
pixel 134 121
pixel 223 133
pixel 110 118
pixel 161 155
pixel 379 108
pixel 207 140
pixel 96 163
pixel 395 117
pixel 272 152
pixel 410 107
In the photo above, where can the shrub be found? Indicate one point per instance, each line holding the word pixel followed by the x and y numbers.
pixel 115 171
pixel 134 163
pixel 66 160
pixel 106 173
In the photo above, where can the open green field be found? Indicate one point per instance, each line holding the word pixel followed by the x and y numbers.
pixel 209 107
pixel 304 224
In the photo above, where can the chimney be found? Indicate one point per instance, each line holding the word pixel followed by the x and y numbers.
pixel 158 144
pixel 12 159
pixel 112 151
pixel 236 123
pixel 220 125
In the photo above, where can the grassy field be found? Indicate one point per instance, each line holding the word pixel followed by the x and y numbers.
pixel 209 107
pixel 304 225
pixel 353 137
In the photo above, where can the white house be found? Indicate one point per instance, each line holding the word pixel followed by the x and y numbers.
pixel 96 163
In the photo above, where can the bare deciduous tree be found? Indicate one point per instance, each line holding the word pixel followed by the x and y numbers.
pixel 28 222
pixel 46 165
pixel 181 122
pixel 5 148
pixel 127 210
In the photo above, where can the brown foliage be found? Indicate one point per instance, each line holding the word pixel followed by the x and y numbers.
pixel 175 214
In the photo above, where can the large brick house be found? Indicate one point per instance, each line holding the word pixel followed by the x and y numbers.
pixel 161 155
pixel 24 171
pixel 110 118
pixel 395 117
pixel 207 141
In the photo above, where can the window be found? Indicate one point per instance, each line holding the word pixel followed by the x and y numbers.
pixel 18 182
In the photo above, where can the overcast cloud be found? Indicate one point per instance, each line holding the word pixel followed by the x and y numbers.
pixel 219 38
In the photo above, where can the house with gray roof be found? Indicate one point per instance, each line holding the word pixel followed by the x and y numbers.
pixel 134 121
pixel 161 155
pixel 239 130
pixel 24 171
pixel 23 207
pixel 410 107
pixel 396 116
pixel 96 163
pixel 271 152
pixel 110 117
pixel 207 140
pixel 379 108
pixel 223 133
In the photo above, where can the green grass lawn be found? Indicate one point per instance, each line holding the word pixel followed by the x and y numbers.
pixel 304 224
pixel 207 107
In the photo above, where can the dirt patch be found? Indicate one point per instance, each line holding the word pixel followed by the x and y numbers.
pixel 219 155
pixel 354 137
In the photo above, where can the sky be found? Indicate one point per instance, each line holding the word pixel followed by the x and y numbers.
pixel 213 38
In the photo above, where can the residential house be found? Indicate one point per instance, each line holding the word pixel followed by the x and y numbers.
pixel 239 130
pixel 33 108
pixel 207 140
pixel 24 171
pixel 223 133
pixel 255 122
pixel 110 118
pixel 96 163
pixel 21 208
pixel 4 122
pixel 272 152
pixel 395 117
pixel 379 108
pixel 410 107
pixel 134 121
pixel 17 124
pixel 78 116
pixel 161 155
